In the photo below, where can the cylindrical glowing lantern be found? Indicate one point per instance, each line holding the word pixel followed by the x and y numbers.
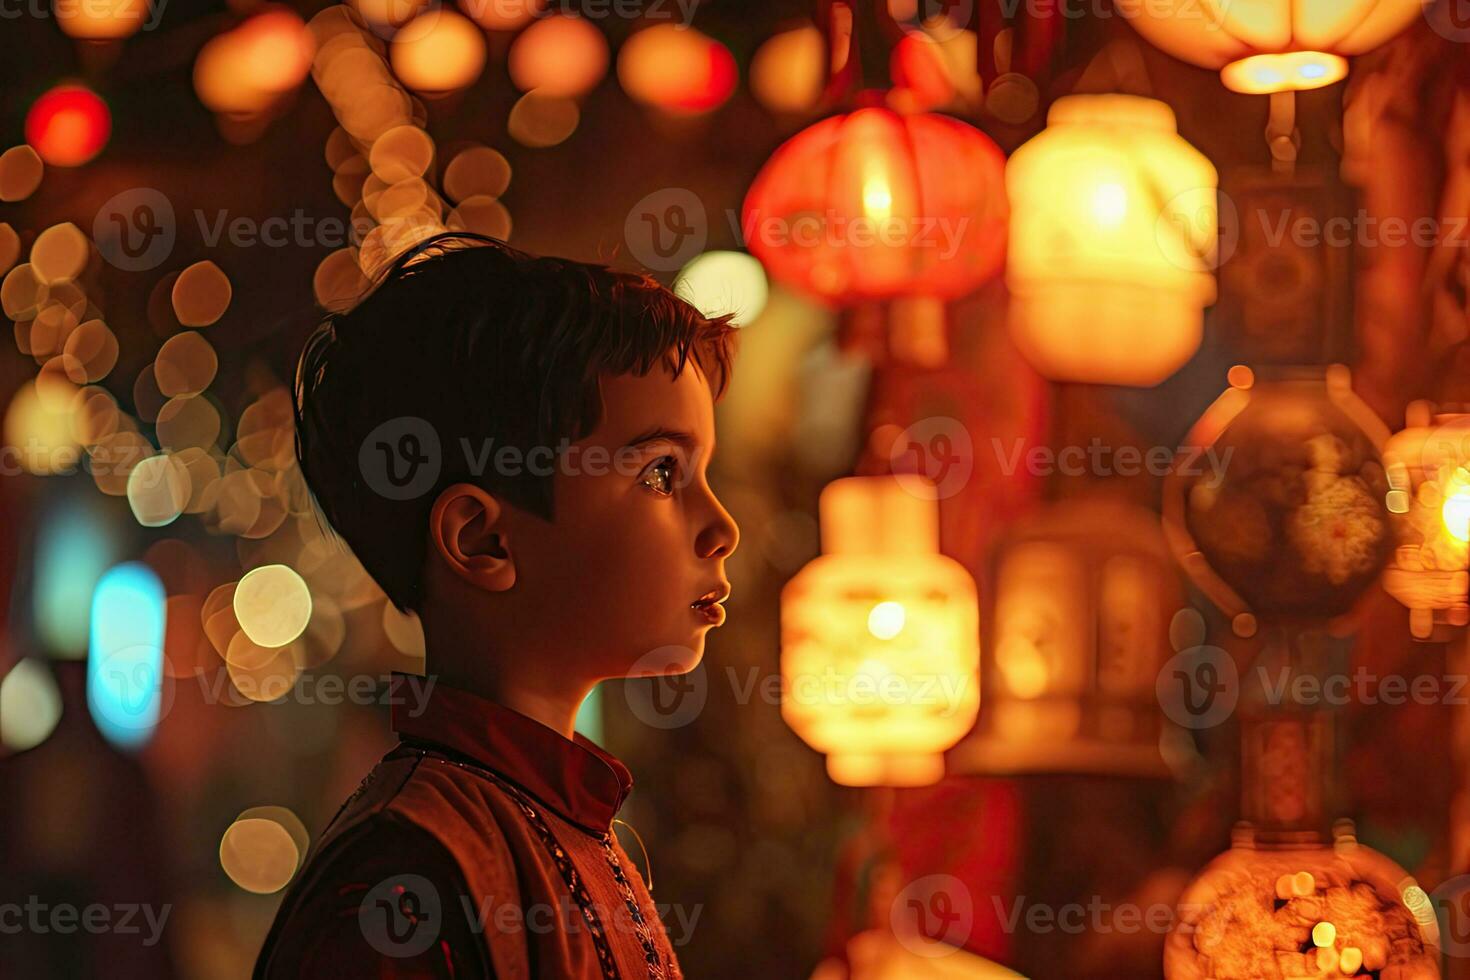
pixel 1429 470
pixel 1277 502
pixel 1264 46
pixel 873 205
pixel 1112 242
pixel 1084 595
pixel 880 643
pixel 68 126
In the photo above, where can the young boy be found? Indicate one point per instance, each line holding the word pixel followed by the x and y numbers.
pixel 515 448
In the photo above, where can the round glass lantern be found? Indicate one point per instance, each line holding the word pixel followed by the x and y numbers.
pixel 880 638
pixel 1297 527
pixel 1266 46
pixel 1112 239
pixel 1429 470
pixel 1084 594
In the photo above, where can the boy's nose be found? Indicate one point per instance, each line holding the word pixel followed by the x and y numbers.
pixel 720 536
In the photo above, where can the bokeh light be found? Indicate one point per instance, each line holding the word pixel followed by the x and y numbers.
pixel 789 70
pixel 561 55
pixel 125 688
pixel 273 605
pixel 201 294
pixel 717 283
pixel 677 69
pixel 30 705
pixel 438 52
pixel 68 126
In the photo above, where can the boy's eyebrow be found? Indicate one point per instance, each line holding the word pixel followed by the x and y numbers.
pixel 658 433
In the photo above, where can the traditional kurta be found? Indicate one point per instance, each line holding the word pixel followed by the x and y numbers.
pixel 481 846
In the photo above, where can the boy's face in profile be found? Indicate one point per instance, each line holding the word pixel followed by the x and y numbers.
pixel 633 563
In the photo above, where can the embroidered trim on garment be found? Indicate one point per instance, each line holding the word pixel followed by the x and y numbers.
pixel 573 880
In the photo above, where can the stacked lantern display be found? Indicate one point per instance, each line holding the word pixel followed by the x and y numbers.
pixel 1113 233
pixel 880 638
pixel 1290 538
pixel 1267 46
pixel 1429 469
pixel 1084 593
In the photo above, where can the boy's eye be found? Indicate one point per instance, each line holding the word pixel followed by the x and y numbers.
pixel 659 476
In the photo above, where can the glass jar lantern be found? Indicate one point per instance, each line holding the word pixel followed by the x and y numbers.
pixel 880 638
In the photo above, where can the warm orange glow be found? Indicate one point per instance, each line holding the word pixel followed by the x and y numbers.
pixel 101 20
pixel 874 205
pixel 68 126
pixel 438 52
pixel 1311 37
pixel 246 70
pixel 678 69
pixel 789 70
pixel 1112 235
pixel 561 55
pixel 881 687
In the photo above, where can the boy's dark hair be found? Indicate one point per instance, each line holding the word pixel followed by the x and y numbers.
pixel 469 343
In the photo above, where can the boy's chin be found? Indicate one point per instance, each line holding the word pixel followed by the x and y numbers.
pixel 669 660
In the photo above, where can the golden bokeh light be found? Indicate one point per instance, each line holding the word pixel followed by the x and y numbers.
pixel 188 422
pixel 677 69
pixel 273 605
pixel 30 705
pixel 90 352
pixel 719 283
pixel 402 153
pixel 539 119
pixel 476 171
pixel 201 294
pixel 502 15
pixel 59 253
pixel 385 16
pixel 158 489
pixel 186 365
pixel 9 247
pixel 39 430
pixel 438 52
pixel 21 170
pixel 259 855
pixel 114 458
pixel 101 20
pixel 269 679
pixel 481 215
pixel 22 292
pixel 789 70
pixel 561 55
pixel 338 282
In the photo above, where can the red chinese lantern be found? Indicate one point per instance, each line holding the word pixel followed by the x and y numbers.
pixel 68 126
pixel 873 205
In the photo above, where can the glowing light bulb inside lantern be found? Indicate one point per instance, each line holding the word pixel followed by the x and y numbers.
pixel 1110 204
pixel 886 620
pixel 877 197
pixel 1456 510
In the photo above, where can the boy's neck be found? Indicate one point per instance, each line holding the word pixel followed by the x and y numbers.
pixel 555 708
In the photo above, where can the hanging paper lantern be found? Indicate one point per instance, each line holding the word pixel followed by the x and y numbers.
pixel 1084 595
pixel 1296 524
pixel 1263 46
pixel 880 638
pixel 677 69
pixel 68 126
pixel 1429 469
pixel 1112 238
pixel 873 205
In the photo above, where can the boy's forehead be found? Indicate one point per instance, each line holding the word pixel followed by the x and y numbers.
pixel 634 404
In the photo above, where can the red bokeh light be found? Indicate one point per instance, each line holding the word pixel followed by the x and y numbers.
pixel 68 126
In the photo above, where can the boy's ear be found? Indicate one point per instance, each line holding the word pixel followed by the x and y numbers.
pixel 467 529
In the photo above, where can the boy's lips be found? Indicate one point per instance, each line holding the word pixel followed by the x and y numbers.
pixel 708 606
